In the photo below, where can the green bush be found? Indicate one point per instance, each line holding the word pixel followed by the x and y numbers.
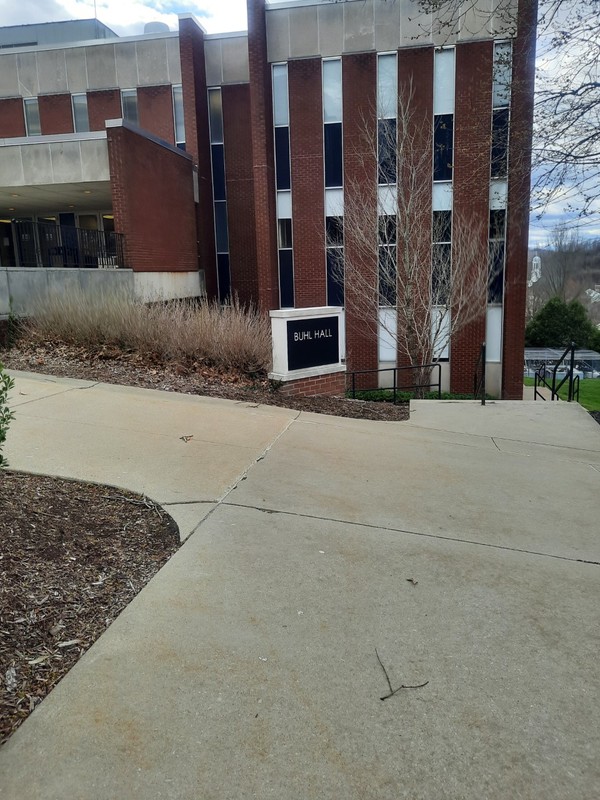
pixel 6 415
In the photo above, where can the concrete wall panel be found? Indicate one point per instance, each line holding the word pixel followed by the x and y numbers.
pixel 331 31
pixel 9 82
pixel 304 32
pixel 173 60
pixel 65 158
pixel 126 61
pixel 28 75
pixel 4 294
pixel 359 27
pixel 37 164
pixel 152 62
pixel 52 71
pixel 278 35
pixel 387 25
pixel 235 60
pixel 94 160
pixel 101 66
pixel 11 166
pixel 76 69
pixel 213 59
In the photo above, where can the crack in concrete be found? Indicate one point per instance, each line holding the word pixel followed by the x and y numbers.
pixel 439 537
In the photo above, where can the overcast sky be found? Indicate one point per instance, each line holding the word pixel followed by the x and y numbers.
pixel 127 17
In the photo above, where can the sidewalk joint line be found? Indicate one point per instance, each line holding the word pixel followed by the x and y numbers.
pixel 374 526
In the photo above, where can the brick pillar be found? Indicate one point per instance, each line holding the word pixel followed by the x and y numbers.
pixel 261 124
pixel 240 191
pixel 306 147
pixel 519 176
pixel 155 111
pixel 472 143
pixel 360 177
pixel 103 105
pixel 195 111
pixel 415 92
pixel 56 114
pixel 12 118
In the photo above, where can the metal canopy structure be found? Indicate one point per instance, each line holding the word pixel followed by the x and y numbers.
pixel 549 355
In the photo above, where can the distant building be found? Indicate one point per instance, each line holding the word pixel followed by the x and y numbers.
pixel 197 162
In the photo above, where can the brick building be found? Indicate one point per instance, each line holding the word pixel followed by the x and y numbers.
pixel 222 162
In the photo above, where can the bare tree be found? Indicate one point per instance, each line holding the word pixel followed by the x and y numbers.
pixel 433 267
pixel 569 270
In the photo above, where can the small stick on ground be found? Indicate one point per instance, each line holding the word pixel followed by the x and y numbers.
pixel 389 683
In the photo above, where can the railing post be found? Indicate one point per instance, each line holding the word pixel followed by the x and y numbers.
pixel 395 385
pixel 353 386
pixel 571 371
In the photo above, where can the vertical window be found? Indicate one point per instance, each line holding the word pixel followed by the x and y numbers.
pixel 443 135
pixel 32 116
pixel 441 257
pixel 129 105
pixel 286 262
pixel 387 114
pixel 502 75
pixel 81 122
pixel 388 277
pixel 281 114
pixel 217 153
pixel 334 228
pixel 443 114
pixel 332 122
pixel 283 181
pixel 178 117
pixel 497 248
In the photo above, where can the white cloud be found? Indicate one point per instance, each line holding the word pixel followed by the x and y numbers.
pixel 127 17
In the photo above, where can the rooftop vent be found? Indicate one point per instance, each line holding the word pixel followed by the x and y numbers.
pixel 156 27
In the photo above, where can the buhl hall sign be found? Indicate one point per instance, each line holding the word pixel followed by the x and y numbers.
pixel 313 342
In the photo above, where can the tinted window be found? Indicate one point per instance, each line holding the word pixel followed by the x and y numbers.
pixel 442 147
pixel 333 155
pixel 282 157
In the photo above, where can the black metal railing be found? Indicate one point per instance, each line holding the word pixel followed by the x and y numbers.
pixel 546 377
pixel 431 385
pixel 45 244
pixel 479 376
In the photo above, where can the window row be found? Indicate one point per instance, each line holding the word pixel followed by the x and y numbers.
pixel 80 115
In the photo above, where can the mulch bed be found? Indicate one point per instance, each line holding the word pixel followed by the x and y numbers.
pixel 110 365
pixel 72 556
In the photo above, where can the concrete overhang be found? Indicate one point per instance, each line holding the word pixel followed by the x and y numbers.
pixel 47 173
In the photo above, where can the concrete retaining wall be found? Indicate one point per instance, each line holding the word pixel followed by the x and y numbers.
pixel 21 288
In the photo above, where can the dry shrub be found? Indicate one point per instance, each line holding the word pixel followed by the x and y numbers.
pixel 231 337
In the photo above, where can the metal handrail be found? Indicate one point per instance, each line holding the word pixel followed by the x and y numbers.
pixel 395 370
pixel 541 374
pixel 48 244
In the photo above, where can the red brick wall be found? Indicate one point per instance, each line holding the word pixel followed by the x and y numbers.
pixel 333 383
pixel 56 114
pixel 472 142
pixel 12 118
pixel 415 105
pixel 155 111
pixel 153 202
pixel 240 191
pixel 102 106
pixel 195 109
pixel 308 211
pixel 261 123
pixel 519 174
pixel 360 169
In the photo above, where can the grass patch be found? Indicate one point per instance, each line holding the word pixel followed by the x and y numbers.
pixel 387 395
pixel 589 392
pixel 232 337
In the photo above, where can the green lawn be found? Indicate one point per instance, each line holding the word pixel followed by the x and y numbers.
pixel 589 392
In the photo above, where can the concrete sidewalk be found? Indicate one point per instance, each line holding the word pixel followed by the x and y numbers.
pixel 462 545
